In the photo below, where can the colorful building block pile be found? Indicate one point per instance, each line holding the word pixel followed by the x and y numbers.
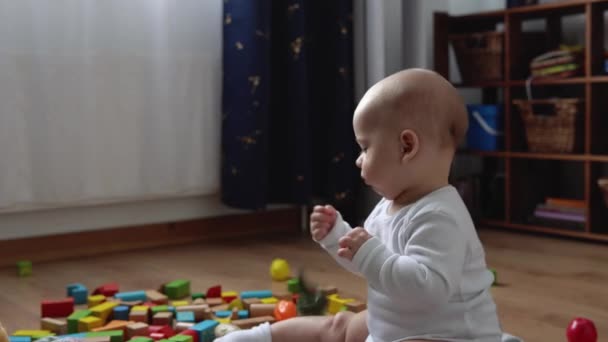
pixel 172 313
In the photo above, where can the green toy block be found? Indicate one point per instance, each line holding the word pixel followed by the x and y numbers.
pixel 293 285
pixel 115 335
pixel 160 308
pixel 181 338
pixel 141 339
pixel 24 268
pixel 495 282
pixel 74 318
pixel 177 289
pixel 198 295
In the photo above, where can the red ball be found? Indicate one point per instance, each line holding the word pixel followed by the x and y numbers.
pixel 581 330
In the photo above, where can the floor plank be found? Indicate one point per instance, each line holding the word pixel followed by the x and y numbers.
pixel 545 282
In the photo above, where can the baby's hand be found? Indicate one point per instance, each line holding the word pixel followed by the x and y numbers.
pixel 322 220
pixel 351 242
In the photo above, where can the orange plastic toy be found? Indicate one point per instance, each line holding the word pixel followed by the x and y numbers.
pixel 285 310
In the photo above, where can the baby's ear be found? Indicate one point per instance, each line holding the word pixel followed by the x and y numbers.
pixel 409 144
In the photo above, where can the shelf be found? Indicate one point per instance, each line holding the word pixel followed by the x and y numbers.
pixel 539 156
pixel 559 81
pixel 560 7
pixel 537 82
pixel 482 84
pixel 541 229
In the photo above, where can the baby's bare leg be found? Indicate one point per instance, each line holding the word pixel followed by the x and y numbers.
pixel 343 327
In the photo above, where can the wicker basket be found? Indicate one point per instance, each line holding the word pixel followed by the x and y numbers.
pixel 550 133
pixel 479 55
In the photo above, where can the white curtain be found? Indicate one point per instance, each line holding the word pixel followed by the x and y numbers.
pixel 108 100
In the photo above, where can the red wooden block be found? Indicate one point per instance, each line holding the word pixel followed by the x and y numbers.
pixel 192 333
pixel 57 308
pixel 149 304
pixel 108 290
pixel 295 298
pixel 157 336
pixel 162 329
pixel 214 292
pixel 229 299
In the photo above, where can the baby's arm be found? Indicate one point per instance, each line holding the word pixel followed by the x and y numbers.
pixel 330 243
pixel 428 270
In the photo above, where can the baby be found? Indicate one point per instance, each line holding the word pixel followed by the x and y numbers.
pixel 418 250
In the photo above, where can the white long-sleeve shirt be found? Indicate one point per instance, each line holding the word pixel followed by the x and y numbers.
pixel 426 272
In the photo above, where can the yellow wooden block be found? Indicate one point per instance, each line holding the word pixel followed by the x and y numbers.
pixel 114 325
pixel 271 300
pixel 237 303
pixel 180 303
pixel 232 294
pixel 89 323
pixel 140 308
pixel 336 303
pixel 34 334
pixel 103 310
pixel 96 300
pixel 223 320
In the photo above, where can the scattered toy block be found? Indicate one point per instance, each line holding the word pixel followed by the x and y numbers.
pixel 185 316
pixel 138 316
pixel 79 292
pixel 95 300
pixel 205 330
pixel 243 314
pixel 74 318
pixel 495 274
pixel 229 296
pixel 121 313
pixel 162 329
pixel 95 339
pixel 114 335
pixel 256 294
pixel 282 295
pixel 259 310
pixel 181 338
pixel 214 301
pixel 270 300
pixel 177 303
pixel 163 318
pixel 192 333
pixel 158 337
pixel 223 320
pixel 57 308
pixel 137 329
pixel 24 268
pixel 235 314
pixel 103 310
pixel 33 334
pixel 59 327
pixel 336 303
pixel 160 308
pixel 177 289
pixel 328 290
pixel 141 339
pixel 19 339
pixel 89 323
pixel 356 306
pixel 199 301
pixel 293 285
pixel 113 325
pixel 198 295
pixel 108 290
pixel 214 292
pixel 223 313
pixel 143 308
pixel 131 296
pixel 221 307
pixel 247 302
pixel 251 322
pixel 130 303
pixel 156 297
pixel 237 303
pixel 182 326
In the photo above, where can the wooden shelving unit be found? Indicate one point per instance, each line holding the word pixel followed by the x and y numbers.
pixel 530 177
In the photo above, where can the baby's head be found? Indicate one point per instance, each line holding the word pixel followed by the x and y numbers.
pixel 409 126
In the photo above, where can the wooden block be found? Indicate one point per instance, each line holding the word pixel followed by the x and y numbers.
pixel 163 318
pixel 229 296
pixel 96 300
pixel 143 308
pixel 260 310
pixel 59 327
pixel 214 292
pixel 199 310
pixel 114 335
pixel 138 316
pixel 108 290
pixel 214 301
pixel 113 325
pixel 130 303
pixel 336 303
pixel 177 303
pixel 222 307
pixel 157 297
pixel 356 306
pixel 199 301
pixel 74 318
pixel 95 339
pixel 34 334
pixel 282 295
pixel 137 329
pixel 235 314
pixel 103 310
pixel 252 322
pixel 183 326
pixel 177 289
pixel 237 303
pixel 89 323
pixel 270 300
pixel 329 290
pixel 247 302
pixel 57 308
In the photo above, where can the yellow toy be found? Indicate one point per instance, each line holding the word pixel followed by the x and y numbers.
pixel 279 270
pixel 3 334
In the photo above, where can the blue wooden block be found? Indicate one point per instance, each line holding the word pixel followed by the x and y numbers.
pixel 132 296
pixel 256 294
pixel 121 313
pixel 75 336
pixel 71 287
pixel 19 339
pixel 223 313
pixel 79 292
pixel 185 316
pixel 205 330
pixel 243 314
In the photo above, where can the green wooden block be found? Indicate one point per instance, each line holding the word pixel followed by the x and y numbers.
pixel 293 285
pixel 74 318
pixel 198 295
pixel 160 308
pixel 177 289
pixel 181 338
pixel 141 339
pixel 24 268
pixel 115 335
pixel 495 276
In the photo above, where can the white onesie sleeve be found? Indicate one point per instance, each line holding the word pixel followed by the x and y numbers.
pixel 330 243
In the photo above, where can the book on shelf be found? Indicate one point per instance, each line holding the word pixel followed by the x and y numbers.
pixel 554 215
pixel 565 202
pixel 560 209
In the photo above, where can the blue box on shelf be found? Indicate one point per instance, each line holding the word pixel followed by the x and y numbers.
pixel 485 127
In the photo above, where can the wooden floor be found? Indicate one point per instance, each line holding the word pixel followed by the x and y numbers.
pixel 545 282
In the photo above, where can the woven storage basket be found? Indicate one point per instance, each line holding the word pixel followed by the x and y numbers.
pixel 550 133
pixel 479 55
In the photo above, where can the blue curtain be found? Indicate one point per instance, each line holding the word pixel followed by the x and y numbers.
pixel 288 103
